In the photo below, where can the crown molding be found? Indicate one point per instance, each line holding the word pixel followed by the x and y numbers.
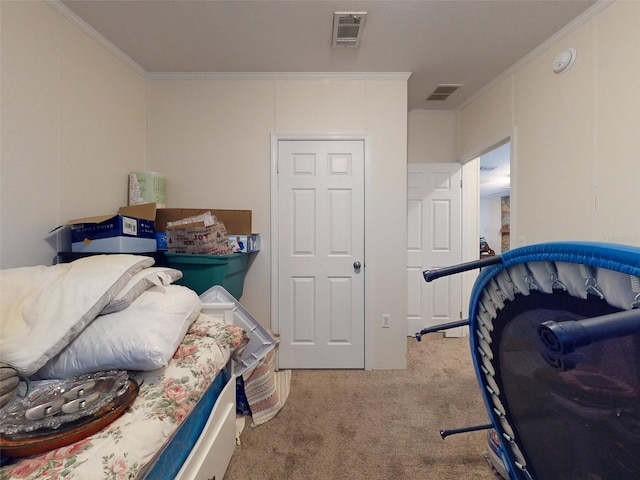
pixel 63 10
pixel 587 15
pixel 278 75
pixel 436 111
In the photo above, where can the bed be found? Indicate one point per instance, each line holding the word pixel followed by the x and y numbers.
pixel 115 313
pixel 555 341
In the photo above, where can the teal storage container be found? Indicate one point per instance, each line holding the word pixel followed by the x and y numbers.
pixel 201 272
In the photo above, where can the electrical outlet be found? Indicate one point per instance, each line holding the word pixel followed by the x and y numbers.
pixel 386 320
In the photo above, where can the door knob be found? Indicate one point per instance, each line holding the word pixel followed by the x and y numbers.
pixel 357 265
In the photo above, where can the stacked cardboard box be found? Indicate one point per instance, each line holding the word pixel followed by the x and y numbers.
pixel 131 230
pixel 143 229
pixel 196 237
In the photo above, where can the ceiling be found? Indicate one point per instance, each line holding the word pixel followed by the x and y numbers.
pixel 467 42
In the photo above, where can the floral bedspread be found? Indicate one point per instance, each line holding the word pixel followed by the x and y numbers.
pixel 167 395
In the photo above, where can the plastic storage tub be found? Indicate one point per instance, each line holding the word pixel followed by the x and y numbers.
pixel 201 272
pixel 217 301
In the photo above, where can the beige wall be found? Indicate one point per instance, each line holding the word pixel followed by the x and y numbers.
pixel 432 136
pixel 212 138
pixel 486 121
pixel 73 126
pixel 617 103
pixel 576 136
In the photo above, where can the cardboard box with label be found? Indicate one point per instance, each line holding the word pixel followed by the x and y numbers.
pixel 131 230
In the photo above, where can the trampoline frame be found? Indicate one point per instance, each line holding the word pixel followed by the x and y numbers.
pixel 491 292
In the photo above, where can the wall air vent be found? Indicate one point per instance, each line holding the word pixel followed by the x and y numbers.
pixel 442 92
pixel 347 29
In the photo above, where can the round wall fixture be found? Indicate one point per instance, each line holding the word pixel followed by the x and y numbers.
pixel 564 60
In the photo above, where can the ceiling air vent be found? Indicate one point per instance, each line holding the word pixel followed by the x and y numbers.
pixel 347 29
pixel 442 92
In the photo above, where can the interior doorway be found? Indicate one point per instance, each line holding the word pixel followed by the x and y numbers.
pixel 482 190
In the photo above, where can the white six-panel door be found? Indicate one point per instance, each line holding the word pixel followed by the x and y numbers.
pixel 321 253
pixel 434 240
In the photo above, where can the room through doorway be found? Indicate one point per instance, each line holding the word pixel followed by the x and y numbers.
pixel 495 200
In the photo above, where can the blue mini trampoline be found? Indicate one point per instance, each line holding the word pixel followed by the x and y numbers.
pixel 555 341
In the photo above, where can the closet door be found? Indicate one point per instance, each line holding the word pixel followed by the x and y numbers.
pixel 321 253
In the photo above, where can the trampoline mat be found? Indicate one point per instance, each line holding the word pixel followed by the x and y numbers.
pixel 577 416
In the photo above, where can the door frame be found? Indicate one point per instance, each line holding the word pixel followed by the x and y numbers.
pixel 275 216
pixel 471 207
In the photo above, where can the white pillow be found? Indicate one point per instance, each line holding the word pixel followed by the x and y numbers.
pixel 141 281
pixel 143 336
pixel 43 308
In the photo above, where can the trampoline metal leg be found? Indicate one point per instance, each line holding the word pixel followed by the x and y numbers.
pixel 430 275
pixel 437 328
pixel 445 433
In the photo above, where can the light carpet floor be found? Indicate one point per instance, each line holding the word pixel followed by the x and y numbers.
pixel 374 425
